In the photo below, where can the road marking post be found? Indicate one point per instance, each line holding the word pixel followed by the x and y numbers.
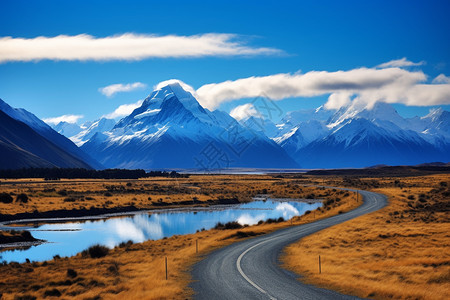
pixel 166 267
pixel 320 266
pixel 196 246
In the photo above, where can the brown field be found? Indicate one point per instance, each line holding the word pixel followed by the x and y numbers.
pixel 137 271
pixel 400 252
pixel 149 193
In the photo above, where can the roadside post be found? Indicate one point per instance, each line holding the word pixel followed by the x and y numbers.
pixel 320 266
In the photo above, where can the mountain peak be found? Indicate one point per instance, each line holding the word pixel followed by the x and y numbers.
pixel 434 114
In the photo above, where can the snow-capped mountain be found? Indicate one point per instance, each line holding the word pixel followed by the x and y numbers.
pixel 172 130
pixel 293 119
pixel 260 124
pixel 362 137
pixel 301 135
pixel 435 127
pixel 67 129
pixel 47 132
pixel 88 130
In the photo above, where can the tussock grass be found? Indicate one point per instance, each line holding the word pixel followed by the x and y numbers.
pixel 400 252
pixel 135 271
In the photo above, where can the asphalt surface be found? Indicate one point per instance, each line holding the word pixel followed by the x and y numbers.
pixel 251 269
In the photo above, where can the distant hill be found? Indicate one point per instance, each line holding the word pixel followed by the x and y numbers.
pixel 419 170
pixel 22 147
pixel 40 127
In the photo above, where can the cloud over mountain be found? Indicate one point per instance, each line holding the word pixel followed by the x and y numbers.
pixel 364 85
pixel 113 89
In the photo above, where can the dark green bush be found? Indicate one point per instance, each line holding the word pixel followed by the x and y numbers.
pixel 72 273
pixel 96 251
pixel 5 198
pixel 229 225
pixel 52 293
pixel 23 198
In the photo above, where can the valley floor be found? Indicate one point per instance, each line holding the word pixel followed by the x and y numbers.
pixel 398 252
pixel 138 270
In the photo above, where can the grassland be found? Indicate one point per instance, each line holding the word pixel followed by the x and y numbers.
pixel 138 270
pixel 400 252
pixel 150 193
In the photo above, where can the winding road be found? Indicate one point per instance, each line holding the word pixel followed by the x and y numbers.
pixel 251 269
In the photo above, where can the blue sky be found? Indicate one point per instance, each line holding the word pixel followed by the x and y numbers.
pixel 307 36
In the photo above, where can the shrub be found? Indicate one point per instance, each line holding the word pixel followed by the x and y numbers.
pixel 107 194
pixel 23 198
pixel 62 192
pixel 96 251
pixel 54 293
pixel 244 234
pixel 270 221
pixel 5 198
pixel 229 225
pixel 126 244
pixel 24 297
pixel 72 273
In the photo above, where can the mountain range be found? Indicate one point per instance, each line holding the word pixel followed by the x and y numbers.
pixel 26 141
pixel 352 137
pixel 171 130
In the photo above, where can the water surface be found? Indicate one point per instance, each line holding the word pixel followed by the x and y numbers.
pixel 67 239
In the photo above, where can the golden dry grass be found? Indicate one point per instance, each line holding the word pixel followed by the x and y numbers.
pixel 144 193
pixel 137 271
pixel 400 252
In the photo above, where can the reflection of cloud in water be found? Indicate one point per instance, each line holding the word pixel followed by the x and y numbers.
pixel 287 210
pixel 152 228
pixel 111 243
pixel 137 229
pixel 126 229
pixel 247 219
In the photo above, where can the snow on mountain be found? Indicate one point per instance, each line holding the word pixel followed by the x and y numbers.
pixel 67 129
pixel 361 143
pixel 90 129
pixel 172 130
pixel 262 125
pixel 294 118
pixel 24 116
pixel 436 127
pixel 301 135
pixel 360 137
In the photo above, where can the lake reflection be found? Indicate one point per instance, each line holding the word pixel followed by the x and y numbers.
pixel 67 239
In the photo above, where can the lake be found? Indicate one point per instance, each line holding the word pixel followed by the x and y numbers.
pixel 70 238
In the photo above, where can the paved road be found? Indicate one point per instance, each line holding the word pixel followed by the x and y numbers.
pixel 250 269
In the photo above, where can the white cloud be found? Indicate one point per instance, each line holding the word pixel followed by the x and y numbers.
pixel 123 110
pixel 243 112
pixel 113 89
pixel 367 84
pixel 338 100
pixel 441 78
pixel 399 63
pixel 127 46
pixel 64 118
